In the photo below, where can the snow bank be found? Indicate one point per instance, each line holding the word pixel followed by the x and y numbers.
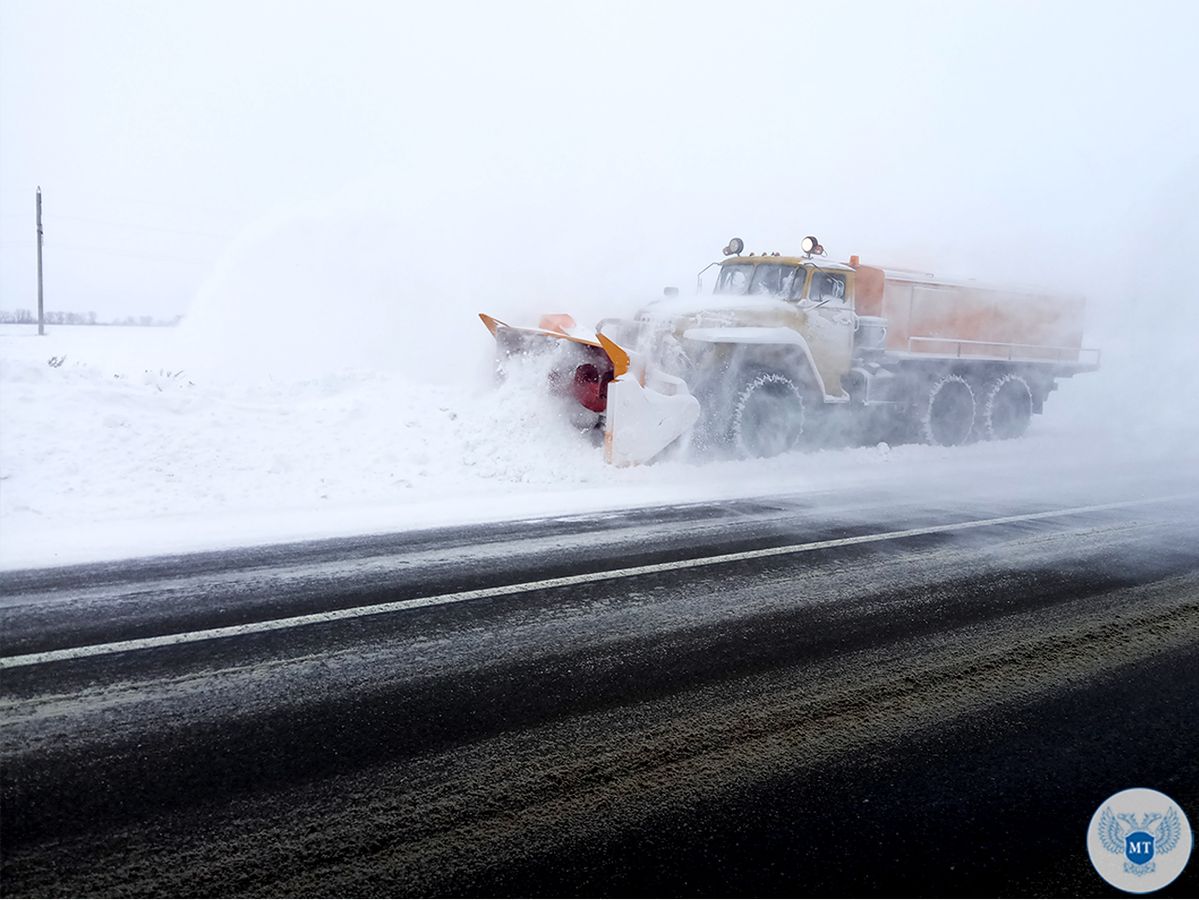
pixel 95 439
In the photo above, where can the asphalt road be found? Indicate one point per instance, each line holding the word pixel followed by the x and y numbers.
pixel 834 694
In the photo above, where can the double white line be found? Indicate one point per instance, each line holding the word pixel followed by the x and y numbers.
pixel 376 609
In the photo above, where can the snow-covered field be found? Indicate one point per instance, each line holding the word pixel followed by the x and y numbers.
pixel 140 440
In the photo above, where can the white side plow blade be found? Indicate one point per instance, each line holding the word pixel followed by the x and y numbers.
pixel 642 421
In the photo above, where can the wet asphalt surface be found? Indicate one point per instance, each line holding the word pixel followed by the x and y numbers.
pixel 930 713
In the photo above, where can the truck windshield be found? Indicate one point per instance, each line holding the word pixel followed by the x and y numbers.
pixel 764 278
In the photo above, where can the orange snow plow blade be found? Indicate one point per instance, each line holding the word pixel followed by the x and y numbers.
pixel 620 359
pixel 496 327
pixel 491 322
pixel 642 409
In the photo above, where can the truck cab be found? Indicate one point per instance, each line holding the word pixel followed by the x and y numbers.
pixel 789 278
pixel 786 306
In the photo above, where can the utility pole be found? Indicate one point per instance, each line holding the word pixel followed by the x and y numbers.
pixel 41 312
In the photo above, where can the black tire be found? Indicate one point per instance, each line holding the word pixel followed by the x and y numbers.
pixel 768 416
pixel 1006 408
pixel 947 418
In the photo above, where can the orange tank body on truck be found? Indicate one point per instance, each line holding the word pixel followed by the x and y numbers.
pixel 926 315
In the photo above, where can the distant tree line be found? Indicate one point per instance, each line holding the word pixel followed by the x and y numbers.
pixel 28 317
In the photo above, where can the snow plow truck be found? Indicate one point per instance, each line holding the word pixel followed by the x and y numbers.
pixel 788 352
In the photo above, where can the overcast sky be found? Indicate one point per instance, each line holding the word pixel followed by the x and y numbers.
pixel 610 145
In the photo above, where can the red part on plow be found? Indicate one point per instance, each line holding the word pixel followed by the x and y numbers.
pixel 586 371
pixel 590 387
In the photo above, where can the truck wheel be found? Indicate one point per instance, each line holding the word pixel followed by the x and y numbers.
pixel 949 414
pixel 768 416
pixel 1006 408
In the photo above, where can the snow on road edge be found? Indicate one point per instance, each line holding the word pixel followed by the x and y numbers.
pixel 124 450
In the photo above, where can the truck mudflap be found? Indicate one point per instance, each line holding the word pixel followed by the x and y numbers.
pixel 648 409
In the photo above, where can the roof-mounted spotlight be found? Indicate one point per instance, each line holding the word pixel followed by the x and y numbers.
pixel 811 246
pixel 734 248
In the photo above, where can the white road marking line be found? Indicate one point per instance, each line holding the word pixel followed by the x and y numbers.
pixel 208 634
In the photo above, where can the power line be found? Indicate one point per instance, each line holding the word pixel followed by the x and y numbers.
pixel 210 234
pixel 112 251
pixel 165 204
pixel 104 200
